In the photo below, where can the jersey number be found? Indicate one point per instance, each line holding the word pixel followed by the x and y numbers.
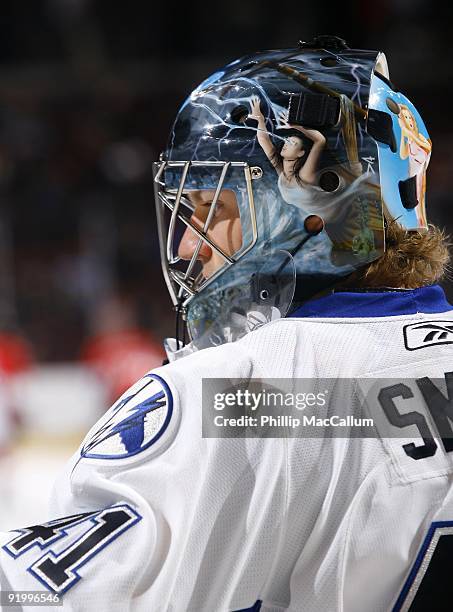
pixel 58 570
pixel 429 585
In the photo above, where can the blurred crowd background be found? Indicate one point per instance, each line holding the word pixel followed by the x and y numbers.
pixel 88 91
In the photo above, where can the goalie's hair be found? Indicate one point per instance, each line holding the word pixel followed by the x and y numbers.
pixel 412 259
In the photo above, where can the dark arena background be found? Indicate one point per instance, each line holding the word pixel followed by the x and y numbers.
pixel 88 91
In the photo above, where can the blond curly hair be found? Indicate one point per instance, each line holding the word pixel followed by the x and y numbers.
pixel 412 259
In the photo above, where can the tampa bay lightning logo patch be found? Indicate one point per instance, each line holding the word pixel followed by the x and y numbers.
pixel 136 422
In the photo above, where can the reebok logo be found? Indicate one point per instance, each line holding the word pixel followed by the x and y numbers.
pixel 427 333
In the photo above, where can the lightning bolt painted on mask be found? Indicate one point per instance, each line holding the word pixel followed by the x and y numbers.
pixel 238 84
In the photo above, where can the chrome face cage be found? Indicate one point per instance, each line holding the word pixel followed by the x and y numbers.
pixel 184 285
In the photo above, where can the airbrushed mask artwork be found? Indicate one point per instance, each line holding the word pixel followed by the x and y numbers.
pixel 279 172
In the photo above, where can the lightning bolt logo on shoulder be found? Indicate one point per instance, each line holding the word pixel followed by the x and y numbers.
pixel 135 423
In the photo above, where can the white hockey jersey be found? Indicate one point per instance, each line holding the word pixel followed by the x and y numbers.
pixel 151 516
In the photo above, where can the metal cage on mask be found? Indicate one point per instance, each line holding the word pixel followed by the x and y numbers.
pixel 259 290
pixel 184 284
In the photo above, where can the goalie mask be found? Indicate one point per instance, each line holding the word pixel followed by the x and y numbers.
pixel 279 173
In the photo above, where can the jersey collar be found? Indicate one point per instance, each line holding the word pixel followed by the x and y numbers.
pixel 376 303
